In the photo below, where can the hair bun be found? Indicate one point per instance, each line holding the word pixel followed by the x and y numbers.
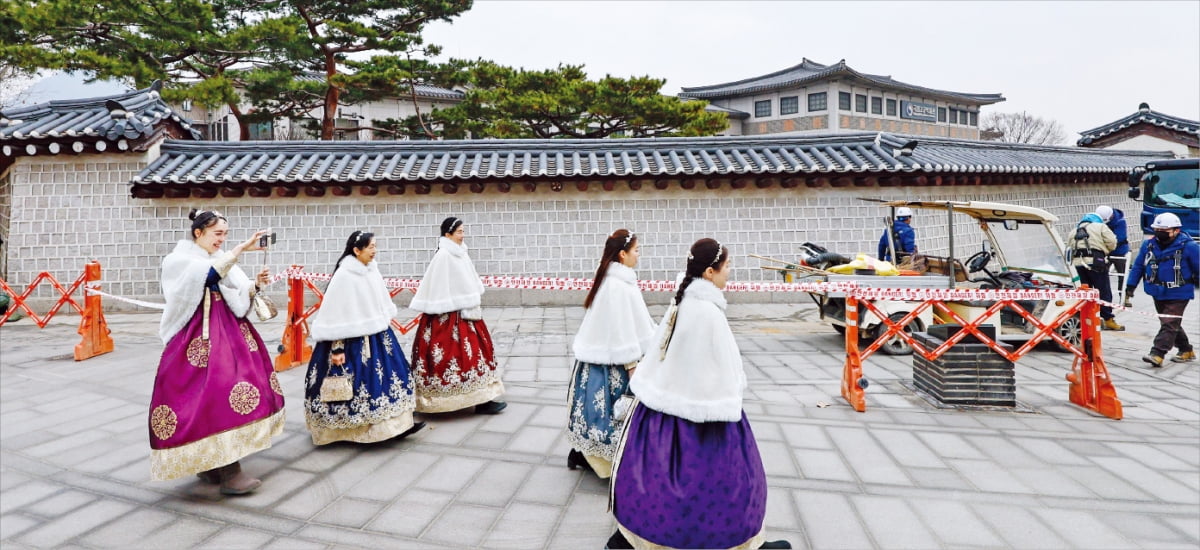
pixel 192 214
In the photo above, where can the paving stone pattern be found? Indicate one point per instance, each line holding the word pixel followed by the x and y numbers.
pixel 74 470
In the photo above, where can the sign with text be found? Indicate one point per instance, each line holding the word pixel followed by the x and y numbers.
pixel 918 111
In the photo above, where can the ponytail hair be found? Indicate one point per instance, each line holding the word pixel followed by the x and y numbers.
pixel 705 253
pixel 203 219
pixel 621 240
pixel 358 239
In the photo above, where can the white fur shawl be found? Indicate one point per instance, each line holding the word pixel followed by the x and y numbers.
pixel 184 271
pixel 450 282
pixel 356 303
pixel 617 328
pixel 701 378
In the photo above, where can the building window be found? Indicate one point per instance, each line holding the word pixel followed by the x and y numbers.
pixel 844 101
pixel 789 105
pixel 877 105
pixel 941 114
pixel 860 103
pixel 953 116
pixel 818 101
pixel 762 108
pixel 891 107
pixel 974 118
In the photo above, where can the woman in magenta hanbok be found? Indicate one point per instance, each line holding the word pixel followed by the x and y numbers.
pixel 216 398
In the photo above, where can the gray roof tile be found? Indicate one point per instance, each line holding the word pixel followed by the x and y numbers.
pixel 810 71
pixel 1144 115
pixel 131 115
pixel 184 162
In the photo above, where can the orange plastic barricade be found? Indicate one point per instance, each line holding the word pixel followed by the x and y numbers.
pixel 1091 386
pixel 97 338
pixel 294 349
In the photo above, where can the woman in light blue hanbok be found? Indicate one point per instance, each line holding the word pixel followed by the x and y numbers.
pixel 615 332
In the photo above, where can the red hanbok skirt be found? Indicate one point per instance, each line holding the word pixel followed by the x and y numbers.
pixel 453 363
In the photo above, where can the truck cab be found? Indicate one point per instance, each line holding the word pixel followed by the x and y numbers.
pixel 1168 186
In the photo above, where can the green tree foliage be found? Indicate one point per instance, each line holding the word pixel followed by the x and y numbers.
pixel 287 56
pixel 502 102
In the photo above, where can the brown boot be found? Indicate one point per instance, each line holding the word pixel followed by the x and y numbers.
pixel 236 482
pixel 1111 324
pixel 1185 357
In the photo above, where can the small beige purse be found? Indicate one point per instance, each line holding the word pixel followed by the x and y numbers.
pixel 337 388
pixel 264 307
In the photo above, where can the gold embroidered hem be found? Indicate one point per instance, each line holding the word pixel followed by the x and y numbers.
pixel 642 544
pixel 215 450
pixel 601 466
pixel 370 433
pixel 427 403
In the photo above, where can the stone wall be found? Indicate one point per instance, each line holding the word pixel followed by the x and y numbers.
pixel 66 210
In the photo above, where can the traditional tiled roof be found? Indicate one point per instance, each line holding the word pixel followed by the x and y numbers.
pixel 1144 115
pixel 810 71
pixel 348 162
pixel 731 113
pixel 129 116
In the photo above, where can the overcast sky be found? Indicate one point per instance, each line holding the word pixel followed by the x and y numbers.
pixel 1082 63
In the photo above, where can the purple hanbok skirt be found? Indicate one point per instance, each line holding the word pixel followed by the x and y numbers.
pixel 684 484
pixel 215 401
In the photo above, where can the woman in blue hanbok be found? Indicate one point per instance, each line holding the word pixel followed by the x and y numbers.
pixel 615 332
pixel 354 338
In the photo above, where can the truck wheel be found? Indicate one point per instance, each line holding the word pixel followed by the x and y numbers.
pixel 1071 330
pixel 897 345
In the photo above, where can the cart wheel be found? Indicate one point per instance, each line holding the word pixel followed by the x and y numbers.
pixel 1071 330
pixel 897 345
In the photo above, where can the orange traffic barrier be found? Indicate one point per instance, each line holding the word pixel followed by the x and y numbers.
pixel 294 349
pixel 97 338
pixel 1091 386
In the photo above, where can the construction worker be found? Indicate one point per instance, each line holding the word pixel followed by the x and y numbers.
pixel 1114 218
pixel 1090 248
pixel 904 239
pixel 1168 264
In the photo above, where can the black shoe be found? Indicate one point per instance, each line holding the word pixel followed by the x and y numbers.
pixel 776 544
pixel 416 427
pixel 617 540
pixel 491 407
pixel 576 460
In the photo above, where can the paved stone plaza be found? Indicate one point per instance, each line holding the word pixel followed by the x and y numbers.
pixel 74 468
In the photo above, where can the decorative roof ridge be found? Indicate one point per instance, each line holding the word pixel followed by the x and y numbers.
pixel 806 64
pixel 73 104
pixel 1142 115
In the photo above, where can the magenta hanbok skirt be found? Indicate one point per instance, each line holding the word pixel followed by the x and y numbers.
pixel 215 401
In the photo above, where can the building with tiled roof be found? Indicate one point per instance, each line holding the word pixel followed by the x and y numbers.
pixel 812 97
pixel 1146 129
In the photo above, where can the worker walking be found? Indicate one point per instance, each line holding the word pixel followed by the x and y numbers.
pixel 1114 218
pixel 1168 265
pixel 903 238
pixel 1090 247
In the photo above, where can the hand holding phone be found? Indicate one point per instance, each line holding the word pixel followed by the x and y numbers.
pixel 266 240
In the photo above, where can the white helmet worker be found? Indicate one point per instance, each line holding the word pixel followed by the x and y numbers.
pixel 1105 212
pixel 904 212
pixel 1166 220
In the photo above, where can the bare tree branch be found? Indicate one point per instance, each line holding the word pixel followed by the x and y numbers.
pixel 1022 128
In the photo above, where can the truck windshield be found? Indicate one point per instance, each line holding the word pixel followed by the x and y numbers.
pixel 1175 188
pixel 1028 246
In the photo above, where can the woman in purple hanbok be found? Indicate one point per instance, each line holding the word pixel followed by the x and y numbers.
pixel 688 473
pixel 216 398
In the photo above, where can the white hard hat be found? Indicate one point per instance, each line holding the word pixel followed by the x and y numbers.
pixel 1166 220
pixel 1105 212
pixel 904 212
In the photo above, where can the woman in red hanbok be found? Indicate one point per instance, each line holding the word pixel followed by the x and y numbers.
pixel 453 361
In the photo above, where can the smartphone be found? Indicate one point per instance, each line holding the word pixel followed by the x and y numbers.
pixel 266 240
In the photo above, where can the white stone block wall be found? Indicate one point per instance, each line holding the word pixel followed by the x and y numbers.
pixel 66 210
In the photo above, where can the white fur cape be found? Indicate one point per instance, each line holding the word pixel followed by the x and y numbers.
pixel 701 378
pixel 617 328
pixel 450 282
pixel 356 303
pixel 184 271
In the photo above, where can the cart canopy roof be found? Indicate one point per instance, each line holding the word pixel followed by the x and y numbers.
pixel 981 210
